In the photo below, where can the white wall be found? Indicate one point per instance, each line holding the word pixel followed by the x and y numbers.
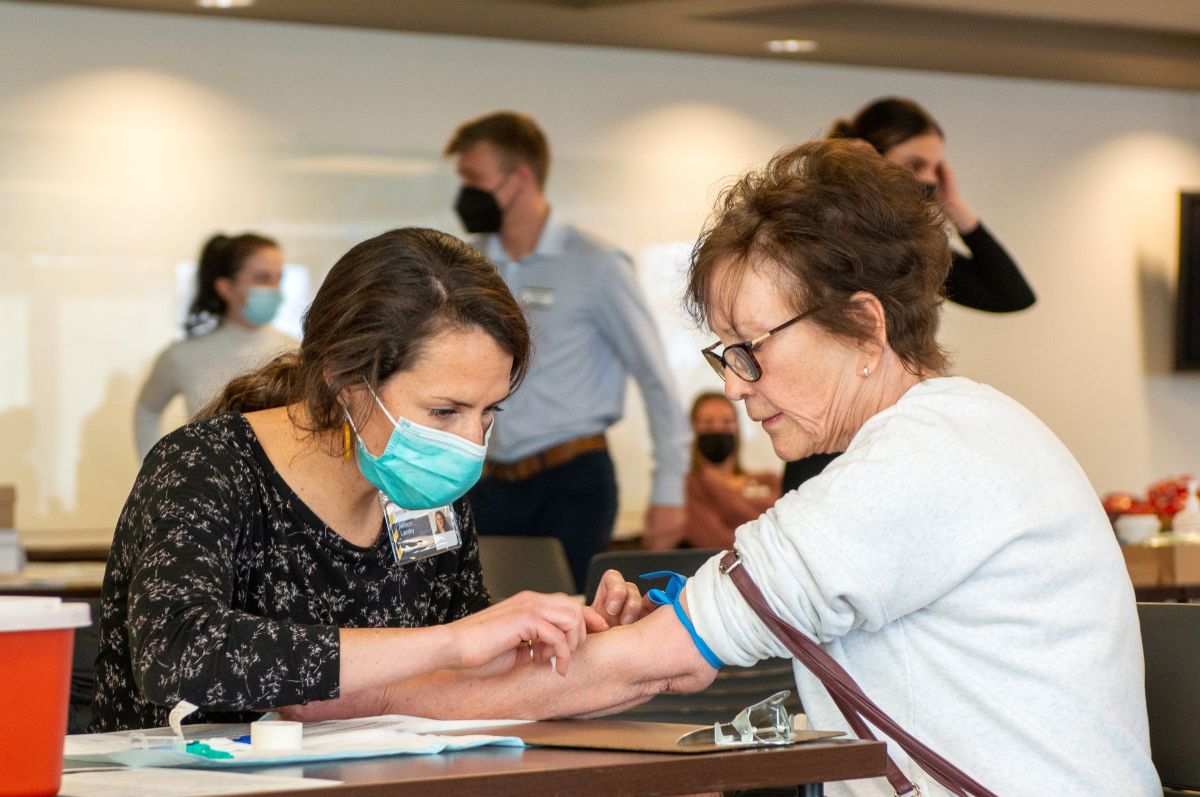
pixel 127 138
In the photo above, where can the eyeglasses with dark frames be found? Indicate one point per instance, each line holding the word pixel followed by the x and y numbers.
pixel 739 357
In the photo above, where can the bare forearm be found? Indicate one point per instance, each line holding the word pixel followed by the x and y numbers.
pixel 597 679
pixel 528 691
pixel 374 657
pixel 612 671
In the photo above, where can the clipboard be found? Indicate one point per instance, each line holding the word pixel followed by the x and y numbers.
pixel 764 724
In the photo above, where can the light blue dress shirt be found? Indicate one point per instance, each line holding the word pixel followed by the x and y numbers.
pixel 590 328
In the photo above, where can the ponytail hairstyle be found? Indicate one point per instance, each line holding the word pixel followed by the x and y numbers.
pixel 887 122
pixel 378 306
pixel 222 256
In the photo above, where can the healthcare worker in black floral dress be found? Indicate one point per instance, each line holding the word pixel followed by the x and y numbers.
pixel 270 553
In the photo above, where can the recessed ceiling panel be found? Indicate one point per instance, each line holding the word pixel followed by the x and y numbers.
pixel 885 20
pixel 1051 39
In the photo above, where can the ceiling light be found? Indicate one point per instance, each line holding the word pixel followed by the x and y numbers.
pixel 224 3
pixel 792 45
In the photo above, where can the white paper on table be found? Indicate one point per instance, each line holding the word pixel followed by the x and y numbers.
pixel 392 734
pixel 403 722
pixel 86 745
pixel 153 782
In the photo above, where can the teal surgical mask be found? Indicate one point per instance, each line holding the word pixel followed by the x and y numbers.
pixel 421 468
pixel 261 305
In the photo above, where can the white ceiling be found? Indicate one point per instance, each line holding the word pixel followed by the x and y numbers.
pixel 1130 42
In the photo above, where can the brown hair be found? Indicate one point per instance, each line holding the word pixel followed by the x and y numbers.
pixel 835 219
pixel 697 459
pixel 372 315
pixel 887 122
pixel 515 135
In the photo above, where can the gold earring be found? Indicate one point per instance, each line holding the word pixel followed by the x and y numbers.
pixel 346 441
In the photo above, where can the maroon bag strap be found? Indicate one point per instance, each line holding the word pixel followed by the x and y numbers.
pixel 849 697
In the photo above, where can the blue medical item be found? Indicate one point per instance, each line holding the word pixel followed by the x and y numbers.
pixel 421 468
pixel 261 305
pixel 204 751
pixel 670 596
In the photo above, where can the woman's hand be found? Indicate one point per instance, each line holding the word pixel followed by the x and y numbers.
pixel 528 626
pixel 618 601
pixel 963 217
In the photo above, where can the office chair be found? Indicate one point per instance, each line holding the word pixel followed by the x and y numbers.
pixel 734 687
pixel 1171 645
pixel 512 564
pixel 83 671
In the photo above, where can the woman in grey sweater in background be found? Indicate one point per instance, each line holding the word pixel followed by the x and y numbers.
pixel 227 330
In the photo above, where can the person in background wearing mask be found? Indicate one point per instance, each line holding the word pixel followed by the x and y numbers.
pixel 227 330
pixel 719 495
pixel 985 277
pixel 549 472
pixel 253 568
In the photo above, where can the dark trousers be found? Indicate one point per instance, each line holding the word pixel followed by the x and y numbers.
pixel 575 502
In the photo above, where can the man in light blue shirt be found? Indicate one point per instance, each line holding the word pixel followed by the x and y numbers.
pixel 549 472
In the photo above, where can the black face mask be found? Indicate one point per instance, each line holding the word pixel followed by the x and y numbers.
pixel 716 447
pixel 478 210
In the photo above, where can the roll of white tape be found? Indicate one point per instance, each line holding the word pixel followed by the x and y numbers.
pixel 268 736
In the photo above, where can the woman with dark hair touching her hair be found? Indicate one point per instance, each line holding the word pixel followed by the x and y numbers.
pixel 986 279
pixel 257 563
pixel 904 133
pixel 227 329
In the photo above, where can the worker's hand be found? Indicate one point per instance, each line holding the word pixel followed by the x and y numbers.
pixel 528 627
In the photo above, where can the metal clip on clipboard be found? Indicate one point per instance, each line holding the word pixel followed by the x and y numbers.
pixel 764 723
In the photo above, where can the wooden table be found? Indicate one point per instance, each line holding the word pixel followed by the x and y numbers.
pixel 70 545
pixel 500 771
pixel 59 579
pixel 1166 568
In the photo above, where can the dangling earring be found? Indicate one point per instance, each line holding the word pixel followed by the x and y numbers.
pixel 346 441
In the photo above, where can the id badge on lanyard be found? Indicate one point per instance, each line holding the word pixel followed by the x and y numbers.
pixel 420 533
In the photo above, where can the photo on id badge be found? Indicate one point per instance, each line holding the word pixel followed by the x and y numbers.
pixel 420 533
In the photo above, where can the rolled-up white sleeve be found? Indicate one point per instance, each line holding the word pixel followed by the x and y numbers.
pixel 824 603
pixel 891 526
pixel 725 622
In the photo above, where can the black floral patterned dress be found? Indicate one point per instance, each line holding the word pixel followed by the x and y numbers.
pixel 224 589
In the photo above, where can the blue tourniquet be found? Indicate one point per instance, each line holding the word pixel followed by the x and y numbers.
pixel 670 596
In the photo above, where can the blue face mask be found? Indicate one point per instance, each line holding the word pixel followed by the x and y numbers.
pixel 421 468
pixel 261 305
